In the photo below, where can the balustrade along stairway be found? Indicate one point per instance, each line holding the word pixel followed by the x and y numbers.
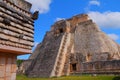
pixel 61 58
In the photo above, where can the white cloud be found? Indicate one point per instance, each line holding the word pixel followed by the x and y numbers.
pixel 90 4
pixel 41 5
pixel 106 19
pixel 113 36
pixel 94 2
pixel 58 19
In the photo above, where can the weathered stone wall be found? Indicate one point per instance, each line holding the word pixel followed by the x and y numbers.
pixel 101 67
pixel 52 61
pixel 43 64
pixel 16 35
pixel 77 19
pixel 16 28
pixel 24 66
pixel 20 3
pixel 27 63
pixel 36 51
pixel 93 44
pixel 7 66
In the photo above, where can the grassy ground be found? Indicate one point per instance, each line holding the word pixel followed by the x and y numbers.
pixel 21 77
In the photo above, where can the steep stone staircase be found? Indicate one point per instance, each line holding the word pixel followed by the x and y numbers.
pixel 61 58
pixel 66 70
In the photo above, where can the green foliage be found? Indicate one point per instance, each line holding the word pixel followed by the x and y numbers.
pixel 87 77
pixel 19 61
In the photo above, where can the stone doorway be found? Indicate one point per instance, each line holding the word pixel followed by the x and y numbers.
pixel 73 67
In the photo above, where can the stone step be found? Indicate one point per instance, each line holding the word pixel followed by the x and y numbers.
pixel 57 68
pixel 61 54
pixel 64 43
pixel 63 47
pixel 61 51
pixel 56 72
pixel 60 58
pixel 58 62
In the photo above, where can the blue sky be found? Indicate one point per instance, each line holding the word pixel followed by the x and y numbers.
pixel 106 13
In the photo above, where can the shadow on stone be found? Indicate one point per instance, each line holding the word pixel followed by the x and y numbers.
pixel 116 78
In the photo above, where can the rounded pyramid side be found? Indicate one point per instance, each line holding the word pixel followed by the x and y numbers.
pixel 91 42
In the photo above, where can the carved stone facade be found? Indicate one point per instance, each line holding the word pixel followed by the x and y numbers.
pixel 70 46
pixel 16 35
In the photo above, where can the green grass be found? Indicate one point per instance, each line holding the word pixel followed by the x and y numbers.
pixel 87 77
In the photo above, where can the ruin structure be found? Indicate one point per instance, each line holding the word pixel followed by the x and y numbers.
pixel 16 35
pixel 74 45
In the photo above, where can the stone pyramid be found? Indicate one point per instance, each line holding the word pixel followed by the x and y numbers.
pixel 68 45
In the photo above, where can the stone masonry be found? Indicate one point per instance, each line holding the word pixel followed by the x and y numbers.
pixel 71 46
pixel 16 35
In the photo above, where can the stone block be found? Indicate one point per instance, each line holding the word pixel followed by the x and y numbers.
pixel 2 78
pixel 13 76
pixel 2 74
